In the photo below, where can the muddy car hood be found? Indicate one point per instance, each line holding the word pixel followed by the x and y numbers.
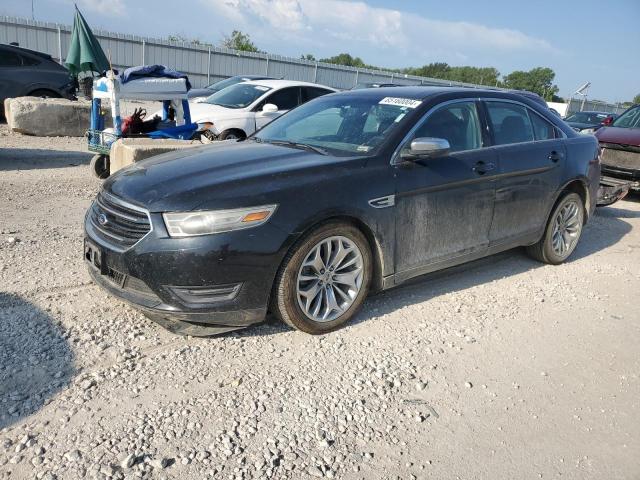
pixel 222 175
pixel 622 136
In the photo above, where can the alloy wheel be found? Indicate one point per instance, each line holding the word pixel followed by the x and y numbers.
pixel 330 279
pixel 566 229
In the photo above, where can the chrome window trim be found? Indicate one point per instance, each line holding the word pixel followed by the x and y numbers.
pixel 396 153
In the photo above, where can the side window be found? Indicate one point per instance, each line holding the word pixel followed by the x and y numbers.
pixel 309 93
pixel 510 123
pixel 542 129
pixel 10 59
pixel 285 99
pixel 29 61
pixel 458 123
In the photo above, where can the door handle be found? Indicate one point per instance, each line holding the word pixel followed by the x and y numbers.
pixel 555 156
pixel 481 167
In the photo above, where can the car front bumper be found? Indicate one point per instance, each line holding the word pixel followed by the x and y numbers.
pixel 154 274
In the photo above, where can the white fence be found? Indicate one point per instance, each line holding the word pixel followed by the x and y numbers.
pixel 203 64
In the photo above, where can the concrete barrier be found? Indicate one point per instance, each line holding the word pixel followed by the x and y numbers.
pixel 48 117
pixel 126 151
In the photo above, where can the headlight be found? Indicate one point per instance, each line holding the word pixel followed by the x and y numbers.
pixel 588 131
pixel 190 224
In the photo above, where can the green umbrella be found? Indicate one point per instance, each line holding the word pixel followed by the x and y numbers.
pixel 85 53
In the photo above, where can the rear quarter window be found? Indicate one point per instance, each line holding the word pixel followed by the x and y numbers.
pixel 542 129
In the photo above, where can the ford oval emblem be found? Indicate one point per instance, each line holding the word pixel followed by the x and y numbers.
pixel 102 219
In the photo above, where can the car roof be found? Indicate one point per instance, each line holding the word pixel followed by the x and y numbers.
pixel 19 49
pixel 422 92
pixel 287 83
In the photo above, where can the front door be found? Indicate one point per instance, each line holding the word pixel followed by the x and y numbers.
pixel 284 99
pixel 444 205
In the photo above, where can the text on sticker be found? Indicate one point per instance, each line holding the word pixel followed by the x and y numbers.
pixel 400 102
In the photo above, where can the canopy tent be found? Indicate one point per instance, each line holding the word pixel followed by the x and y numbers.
pixel 85 53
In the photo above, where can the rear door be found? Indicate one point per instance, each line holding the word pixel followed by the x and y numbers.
pixel 531 155
pixel 444 205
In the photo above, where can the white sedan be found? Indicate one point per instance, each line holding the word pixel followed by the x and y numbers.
pixel 241 109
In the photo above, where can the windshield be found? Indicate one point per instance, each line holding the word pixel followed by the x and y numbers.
pixel 240 95
pixel 227 82
pixel 629 119
pixel 343 125
pixel 587 117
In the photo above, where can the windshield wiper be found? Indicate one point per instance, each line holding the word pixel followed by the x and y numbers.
pixel 302 146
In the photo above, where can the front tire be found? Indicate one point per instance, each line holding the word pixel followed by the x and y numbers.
pixel 324 279
pixel 100 166
pixel 232 134
pixel 562 233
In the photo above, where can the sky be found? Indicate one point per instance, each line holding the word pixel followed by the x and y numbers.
pixel 586 40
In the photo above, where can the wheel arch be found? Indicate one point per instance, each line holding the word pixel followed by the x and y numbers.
pixel 239 131
pixel 579 186
pixel 374 245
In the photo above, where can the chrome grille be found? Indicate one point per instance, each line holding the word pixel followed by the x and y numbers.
pixel 621 158
pixel 118 223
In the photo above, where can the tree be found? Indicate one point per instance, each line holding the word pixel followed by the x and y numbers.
pixel 178 38
pixel 538 80
pixel 467 74
pixel 239 41
pixel 636 99
pixel 308 56
pixel 345 59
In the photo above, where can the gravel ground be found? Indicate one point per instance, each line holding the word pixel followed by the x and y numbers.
pixel 503 369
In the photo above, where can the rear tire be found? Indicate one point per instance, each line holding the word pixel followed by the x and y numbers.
pixel 44 93
pixel 100 166
pixel 338 285
pixel 562 232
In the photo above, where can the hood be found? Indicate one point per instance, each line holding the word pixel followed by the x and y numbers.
pixel 221 175
pixel 622 136
pixel 200 92
pixel 201 112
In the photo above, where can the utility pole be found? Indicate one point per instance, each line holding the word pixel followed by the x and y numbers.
pixel 33 15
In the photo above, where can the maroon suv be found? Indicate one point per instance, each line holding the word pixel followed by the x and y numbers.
pixel 620 142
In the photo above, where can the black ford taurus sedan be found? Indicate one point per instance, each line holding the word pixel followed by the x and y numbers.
pixel 350 193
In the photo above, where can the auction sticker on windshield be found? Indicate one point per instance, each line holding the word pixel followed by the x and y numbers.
pixel 400 102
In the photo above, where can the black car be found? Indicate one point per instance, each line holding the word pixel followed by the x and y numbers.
pixel 349 193
pixel 588 120
pixel 26 72
pixel 227 82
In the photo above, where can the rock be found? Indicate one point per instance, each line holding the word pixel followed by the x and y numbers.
pixel 468 384
pixel 12 240
pixel 160 463
pixel 48 117
pixel 128 460
pixel 421 386
pixel 73 456
pixel 315 472
pixel 127 151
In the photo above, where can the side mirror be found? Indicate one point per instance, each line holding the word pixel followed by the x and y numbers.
pixel 426 147
pixel 269 108
pixel 607 121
